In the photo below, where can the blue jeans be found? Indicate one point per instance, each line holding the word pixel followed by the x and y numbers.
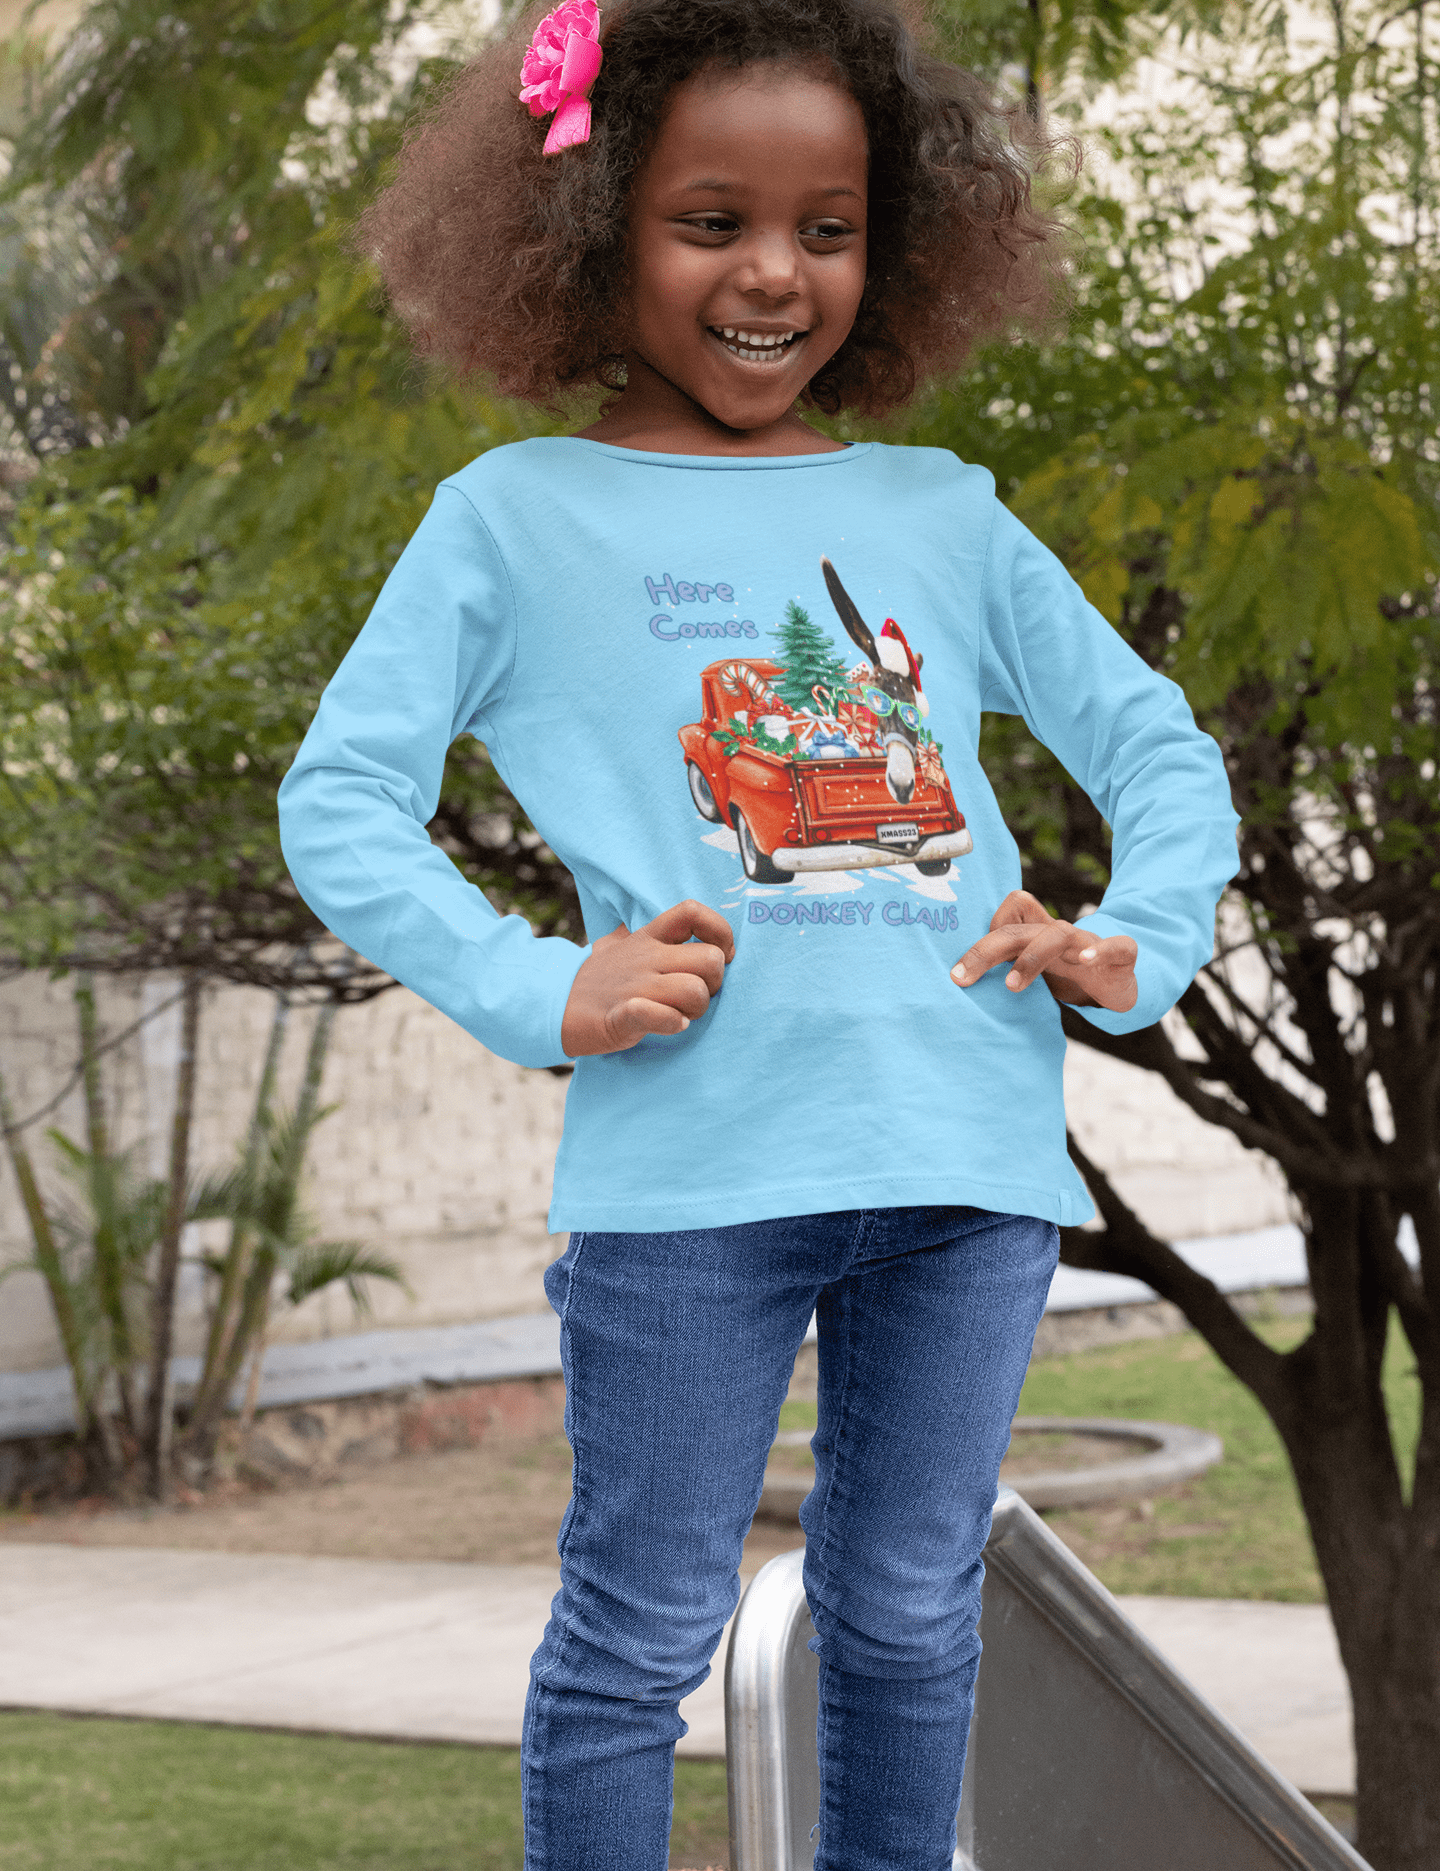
pixel 678 1351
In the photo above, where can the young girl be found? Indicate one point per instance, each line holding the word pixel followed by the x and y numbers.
pixel 734 671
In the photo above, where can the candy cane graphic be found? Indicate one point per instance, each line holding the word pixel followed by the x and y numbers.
pixel 742 676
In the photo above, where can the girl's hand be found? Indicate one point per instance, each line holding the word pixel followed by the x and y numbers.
pixel 1083 969
pixel 655 980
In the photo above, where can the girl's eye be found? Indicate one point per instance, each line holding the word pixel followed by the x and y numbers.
pixel 827 232
pixel 712 224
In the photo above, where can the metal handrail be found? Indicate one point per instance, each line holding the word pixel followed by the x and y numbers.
pixel 1088 1749
pixel 771 1700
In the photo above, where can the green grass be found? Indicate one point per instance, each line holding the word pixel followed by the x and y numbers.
pixel 96 1795
pixel 1236 1532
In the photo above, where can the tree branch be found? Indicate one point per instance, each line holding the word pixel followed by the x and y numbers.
pixel 1127 1246
pixel 1151 1050
pixel 1407 1295
pixel 1230 1059
pixel 1264 1029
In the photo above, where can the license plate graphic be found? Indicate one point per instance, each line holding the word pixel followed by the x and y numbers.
pixel 897 834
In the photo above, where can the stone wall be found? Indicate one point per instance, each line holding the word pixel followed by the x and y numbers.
pixel 438 1152
pixel 442 1154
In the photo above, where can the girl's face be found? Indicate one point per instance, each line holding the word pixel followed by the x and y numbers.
pixel 747 244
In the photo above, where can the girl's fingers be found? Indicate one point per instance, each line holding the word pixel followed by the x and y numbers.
pixel 1011 927
pixel 1040 952
pixel 976 961
pixel 1000 945
pixel 1101 953
pixel 1019 907
pixel 654 980
pixel 634 1018
pixel 690 958
pixel 687 919
pixel 1034 951
pixel 687 993
pixel 1119 952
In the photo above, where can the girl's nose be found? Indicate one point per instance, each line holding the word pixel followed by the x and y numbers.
pixel 768 265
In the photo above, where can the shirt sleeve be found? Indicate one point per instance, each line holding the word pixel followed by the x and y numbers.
pixel 432 661
pixel 1128 737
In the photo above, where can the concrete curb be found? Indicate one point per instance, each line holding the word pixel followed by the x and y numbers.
pixel 1176 1453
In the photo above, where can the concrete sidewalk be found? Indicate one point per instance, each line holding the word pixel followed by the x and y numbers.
pixel 417 1649
pixel 428 1651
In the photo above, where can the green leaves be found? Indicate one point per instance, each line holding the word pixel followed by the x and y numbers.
pixel 142 734
pixel 1287 546
pixel 239 445
pixel 262 1194
pixel 315 1265
pixel 177 596
pixel 1053 46
pixel 1232 447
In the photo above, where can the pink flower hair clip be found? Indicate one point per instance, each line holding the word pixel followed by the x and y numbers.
pixel 559 69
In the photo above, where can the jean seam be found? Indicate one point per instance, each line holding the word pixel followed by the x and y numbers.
pixel 847 1340
pixel 534 1835
pixel 822 1760
pixel 576 1478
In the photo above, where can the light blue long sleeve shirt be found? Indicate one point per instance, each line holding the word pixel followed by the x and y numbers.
pixel 562 600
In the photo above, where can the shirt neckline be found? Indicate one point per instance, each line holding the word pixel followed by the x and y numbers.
pixel 645 457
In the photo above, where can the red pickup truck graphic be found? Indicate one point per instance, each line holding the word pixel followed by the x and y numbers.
pixel 809 791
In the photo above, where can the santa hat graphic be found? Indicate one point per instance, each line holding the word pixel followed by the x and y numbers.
pixel 896 655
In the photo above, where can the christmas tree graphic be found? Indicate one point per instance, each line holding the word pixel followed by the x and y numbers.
pixel 811 663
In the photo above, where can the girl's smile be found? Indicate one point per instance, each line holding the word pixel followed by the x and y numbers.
pixel 747 261
pixel 758 347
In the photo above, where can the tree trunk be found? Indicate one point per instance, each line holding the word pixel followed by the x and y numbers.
pixel 1379 1554
pixel 252 1307
pixel 257 1361
pixel 1395 1686
pixel 1378 1558
pixel 103 1454
pixel 218 1372
pixel 49 1266
pixel 252 1324
pixel 159 1414
pixel 109 1270
pixel 315 1056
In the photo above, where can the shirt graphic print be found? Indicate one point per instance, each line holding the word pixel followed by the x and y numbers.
pixel 823 771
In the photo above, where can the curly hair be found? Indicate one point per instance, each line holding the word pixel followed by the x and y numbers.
pixel 503 260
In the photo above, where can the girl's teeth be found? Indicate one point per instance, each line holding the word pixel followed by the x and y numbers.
pixel 753 344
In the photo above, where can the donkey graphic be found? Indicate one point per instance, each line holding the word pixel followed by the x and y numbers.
pixel 893 692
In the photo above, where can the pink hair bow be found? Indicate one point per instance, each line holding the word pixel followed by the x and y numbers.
pixel 559 69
